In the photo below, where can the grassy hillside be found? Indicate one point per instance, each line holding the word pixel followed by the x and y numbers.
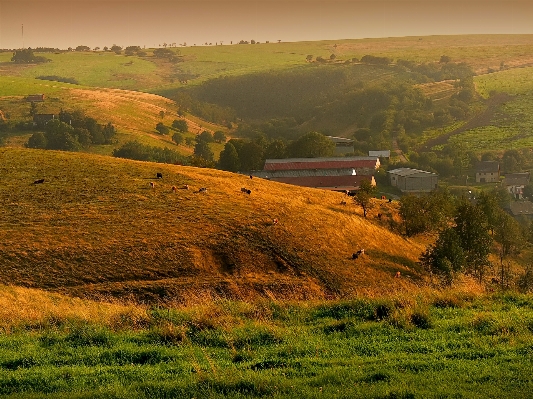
pixel 95 227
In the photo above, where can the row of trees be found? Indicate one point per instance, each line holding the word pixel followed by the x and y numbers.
pixel 247 155
pixel 467 232
pixel 72 131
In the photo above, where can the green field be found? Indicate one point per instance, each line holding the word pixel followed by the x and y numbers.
pixel 445 346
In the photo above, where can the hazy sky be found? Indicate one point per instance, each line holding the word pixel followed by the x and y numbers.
pixel 69 23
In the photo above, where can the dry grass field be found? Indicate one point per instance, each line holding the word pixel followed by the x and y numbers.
pixel 95 228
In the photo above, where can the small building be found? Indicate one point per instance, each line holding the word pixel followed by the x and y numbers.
pixel 342 145
pixel 413 180
pixel 39 98
pixel 515 183
pixel 521 209
pixel 379 153
pixel 488 172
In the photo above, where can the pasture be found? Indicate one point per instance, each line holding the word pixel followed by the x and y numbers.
pixel 415 346
pixel 96 228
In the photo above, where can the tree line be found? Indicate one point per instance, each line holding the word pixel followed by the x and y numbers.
pixel 71 131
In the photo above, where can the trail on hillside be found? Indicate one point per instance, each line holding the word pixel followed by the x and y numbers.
pixel 481 119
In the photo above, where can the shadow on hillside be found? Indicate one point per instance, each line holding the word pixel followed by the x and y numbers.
pixel 414 268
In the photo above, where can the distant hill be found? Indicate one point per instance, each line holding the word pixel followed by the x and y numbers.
pixel 95 228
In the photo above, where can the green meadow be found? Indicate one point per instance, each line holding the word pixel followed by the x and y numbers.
pixel 454 346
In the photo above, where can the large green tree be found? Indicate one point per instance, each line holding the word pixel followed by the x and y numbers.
pixel 472 229
pixel 446 257
pixel 311 145
pixel 229 158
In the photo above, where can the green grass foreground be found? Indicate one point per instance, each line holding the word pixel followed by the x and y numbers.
pixel 446 346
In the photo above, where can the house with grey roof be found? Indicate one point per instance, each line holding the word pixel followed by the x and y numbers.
pixel 488 172
pixel 413 180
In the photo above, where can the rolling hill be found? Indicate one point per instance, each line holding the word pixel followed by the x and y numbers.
pixel 95 228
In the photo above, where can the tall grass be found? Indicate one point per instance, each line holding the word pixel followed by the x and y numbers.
pixel 473 346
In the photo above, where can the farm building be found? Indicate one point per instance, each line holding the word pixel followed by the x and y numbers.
pixel 337 174
pixel 413 180
pixel 35 98
pixel 488 172
pixel 515 183
pixel 379 153
pixel 342 145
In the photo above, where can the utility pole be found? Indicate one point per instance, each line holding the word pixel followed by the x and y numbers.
pixel 23 36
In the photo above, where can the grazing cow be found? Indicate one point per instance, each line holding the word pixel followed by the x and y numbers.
pixel 355 255
pixel 346 192
pixel 361 252
pixel 152 184
pixel 379 216
pixel 383 197
pixel 390 200
pixel 275 221
pixel 495 281
pixel 186 187
pixel 251 177
pixel 248 192
pixel 343 202
pixel 174 189
pixel 40 181
pixel 243 190
pixel 159 175
pixel 398 274
pixel 203 190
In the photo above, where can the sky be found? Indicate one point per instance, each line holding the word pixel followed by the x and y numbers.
pixel 150 23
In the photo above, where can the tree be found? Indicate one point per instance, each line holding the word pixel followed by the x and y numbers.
pixel 219 136
pixel 471 228
pixel 37 140
pixel 275 150
pixel 251 156
pixel 229 158
pixel 426 213
pixel 205 136
pixel 161 128
pixel 181 125
pixel 311 145
pixel 83 48
pixel 202 150
pixel 511 161
pixel 26 56
pixel 446 257
pixel 116 49
pixel 444 59
pixel 508 234
pixel 177 138
pixel 363 196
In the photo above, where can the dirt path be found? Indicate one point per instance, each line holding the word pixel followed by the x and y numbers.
pixel 481 119
pixel 397 151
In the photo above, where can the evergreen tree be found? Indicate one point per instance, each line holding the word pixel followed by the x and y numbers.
pixel 229 158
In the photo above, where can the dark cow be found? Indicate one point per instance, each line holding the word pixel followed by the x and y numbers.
pixel 159 175
pixel 203 190
pixel 379 216
pixel 40 181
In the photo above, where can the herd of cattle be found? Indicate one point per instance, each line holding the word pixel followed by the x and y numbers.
pixel 245 190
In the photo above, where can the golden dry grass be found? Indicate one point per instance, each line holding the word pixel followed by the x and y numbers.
pixel 96 228
pixel 24 308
